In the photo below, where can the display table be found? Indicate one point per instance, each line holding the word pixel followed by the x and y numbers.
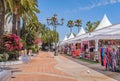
pixel 5 75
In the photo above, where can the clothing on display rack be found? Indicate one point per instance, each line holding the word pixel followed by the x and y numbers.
pixel 113 59
pixel 103 56
pixel 108 58
pixel 73 50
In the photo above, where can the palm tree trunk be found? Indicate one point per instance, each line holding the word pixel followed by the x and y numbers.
pixel 14 24
pixel 78 29
pixel 23 30
pixel 2 16
pixel 18 18
pixel 71 30
pixel 24 23
pixel 18 26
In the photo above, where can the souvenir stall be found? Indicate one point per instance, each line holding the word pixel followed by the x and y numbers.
pixel 107 40
pixel 92 49
pixel 103 31
pixel 62 45
pixel 78 49
pixel 68 47
pixel 78 44
pixel 85 53
pixel 72 46
pixel 105 47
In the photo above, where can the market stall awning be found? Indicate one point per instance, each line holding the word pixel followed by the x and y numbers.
pixel 82 31
pixel 104 23
pixel 111 32
pixel 65 38
pixel 105 30
pixel 71 36
pixel 73 40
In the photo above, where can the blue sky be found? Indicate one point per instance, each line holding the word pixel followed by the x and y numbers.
pixel 86 10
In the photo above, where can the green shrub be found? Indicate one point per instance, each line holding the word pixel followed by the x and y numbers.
pixel 4 57
pixel 13 55
pixel 33 48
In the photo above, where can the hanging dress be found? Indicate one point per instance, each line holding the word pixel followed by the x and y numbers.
pixel 103 56
pixel 73 48
pixel 113 60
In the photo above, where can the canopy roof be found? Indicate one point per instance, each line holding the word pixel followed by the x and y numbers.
pixel 71 36
pixel 104 23
pixel 82 31
pixel 111 32
pixel 65 38
pixel 105 32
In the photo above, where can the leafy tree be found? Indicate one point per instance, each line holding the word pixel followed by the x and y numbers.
pixel 49 35
pixel 70 24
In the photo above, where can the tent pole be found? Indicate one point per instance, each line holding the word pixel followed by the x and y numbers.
pixel 96 44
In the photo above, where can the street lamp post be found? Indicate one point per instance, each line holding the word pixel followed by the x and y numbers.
pixel 54 22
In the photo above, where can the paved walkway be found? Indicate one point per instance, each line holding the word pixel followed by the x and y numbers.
pixel 82 72
pixel 97 67
pixel 41 68
pixel 46 67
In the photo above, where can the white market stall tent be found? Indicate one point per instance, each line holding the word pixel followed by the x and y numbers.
pixel 71 36
pixel 105 23
pixel 65 38
pixel 73 40
pixel 82 31
pixel 105 30
pixel 110 32
pixel 64 41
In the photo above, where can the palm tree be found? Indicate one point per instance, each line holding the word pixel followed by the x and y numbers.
pixel 22 9
pixel 13 10
pixel 78 24
pixel 30 11
pixel 70 24
pixel 31 26
pixel 48 35
pixel 95 24
pixel 2 16
pixel 34 25
pixel 91 26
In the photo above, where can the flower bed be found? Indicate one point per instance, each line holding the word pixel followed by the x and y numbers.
pixel 10 44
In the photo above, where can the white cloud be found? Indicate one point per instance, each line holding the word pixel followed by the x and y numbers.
pixel 113 1
pixel 103 3
pixel 94 5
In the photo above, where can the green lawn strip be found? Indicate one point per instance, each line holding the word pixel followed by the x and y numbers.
pixel 84 59
pixel 118 69
pixel 87 60
pixel 68 54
